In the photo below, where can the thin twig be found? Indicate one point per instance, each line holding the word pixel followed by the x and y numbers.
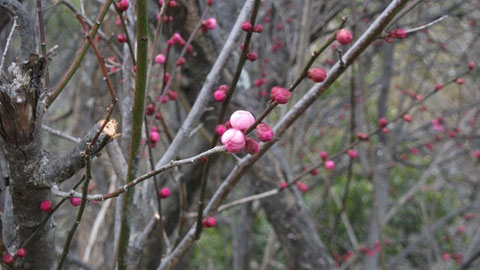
pixel 117 192
pixel 42 39
pixel 72 230
pixel 7 45
pixel 61 134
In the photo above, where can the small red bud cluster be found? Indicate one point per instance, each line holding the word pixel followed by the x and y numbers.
pixel 220 94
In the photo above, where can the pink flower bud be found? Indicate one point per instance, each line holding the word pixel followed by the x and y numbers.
pixel 264 132
pixel 382 122
pixel 210 2
pixel 242 120
pixel 234 140
pixel 220 129
pixel 209 24
pixel 150 109
pixel 154 137
pixel 460 81
pixel 362 136
pixel 329 165
pixel 164 193
pixel 323 155
pixel 462 229
pixel 314 172
pixel 438 86
pixel 471 65
pixel 209 222
pixel 118 21
pixel 302 187
pixel 252 56
pixel 251 146
pixel 476 154
pixel 352 153
pixel 258 28
pixel 172 3
pixel 181 61
pixel 7 258
pixel 398 33
pixel 21 253
pixel 223 88
pixel 172 95
pixel 160 59
pixel 407 118
pixel 46 206
pixel 282 95
pixel 121 38
pixel 247 26
pixel 283 185
pixel 344 36
pixel 316 74
pixel 166 78
pixel 123 5
pixel 76 201
pixel 446 256
pixel 219 96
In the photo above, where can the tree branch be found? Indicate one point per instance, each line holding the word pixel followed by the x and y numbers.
pixel 63 167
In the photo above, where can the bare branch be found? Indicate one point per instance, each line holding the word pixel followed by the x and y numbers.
pixel 25 26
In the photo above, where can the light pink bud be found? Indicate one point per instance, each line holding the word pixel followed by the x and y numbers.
pixel 210 23
pixel 302 187
pixel 242 120
pixel 154 137
pixel 323 155
pixel 352 153
pixel 234 140
pixel 160 59
pixel 329 165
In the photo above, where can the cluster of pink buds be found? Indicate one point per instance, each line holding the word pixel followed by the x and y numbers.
pixel 363 136
pixel 248 27
pixel 209 24
pixel 233 136
pixel 220 94
pixel 176 39
pixel 280 95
